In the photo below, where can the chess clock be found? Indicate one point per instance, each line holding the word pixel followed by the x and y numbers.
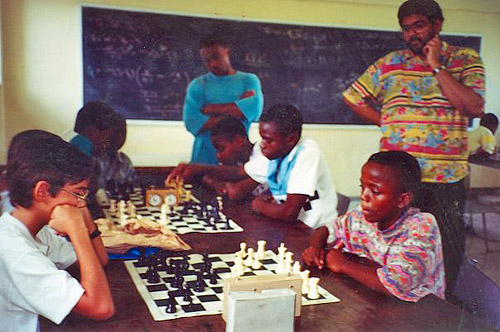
pixel 157 196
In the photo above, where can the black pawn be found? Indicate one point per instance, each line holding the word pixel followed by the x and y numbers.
pixel 187 294
pixel 153 276
pixel 171 309
pixel 213 278
pixel 199 286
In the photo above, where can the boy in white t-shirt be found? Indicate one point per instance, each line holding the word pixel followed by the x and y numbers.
pixel 48 181
pixel 294 169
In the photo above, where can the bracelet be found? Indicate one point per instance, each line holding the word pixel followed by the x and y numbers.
pixel 95 234
pixel 436 70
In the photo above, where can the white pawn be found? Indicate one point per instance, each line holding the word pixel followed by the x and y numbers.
pixel 296 267
pixel 256 263
pixel 163 215
pixel 288 262
pixel 261 249
pixel 112 206
pixel 281 250
pixel 313 288
pixel 242 253
pixel 240 268
pixel 280 268
pixel 123 219
pixel 305 281
pixel 249 259
pixel 131 209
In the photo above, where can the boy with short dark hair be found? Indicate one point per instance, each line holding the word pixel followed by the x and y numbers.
pixel 100 133
pixel 48 181
pixel 233 149
pixel 222 92
pixel 385 244
pixel 294 169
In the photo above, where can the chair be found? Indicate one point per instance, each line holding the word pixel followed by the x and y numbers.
pixel 478 293
pixel 473 206
pixel 342 204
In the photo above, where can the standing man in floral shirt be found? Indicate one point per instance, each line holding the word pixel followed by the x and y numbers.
pixel 427 93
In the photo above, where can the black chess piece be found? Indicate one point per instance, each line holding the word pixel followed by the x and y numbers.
pixel 187 294
pixel 199 285
pixel 213 277
pixel 152 274
pixel 170 308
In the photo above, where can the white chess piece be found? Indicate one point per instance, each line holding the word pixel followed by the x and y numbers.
pixel 261 249
pixel 131 209
pixel 249 259
pixel 123 219
pixel 281 250
pixel 242 253
pixel 305 281
pixel 112 206
pixel 240 268
pixel 256 263
pixel 163 215
pixel 280 268
pixel 296 267
pixel 313 288
pixel 288 262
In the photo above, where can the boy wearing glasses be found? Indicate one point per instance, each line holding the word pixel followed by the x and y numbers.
pixel 48 183
pixel 426 94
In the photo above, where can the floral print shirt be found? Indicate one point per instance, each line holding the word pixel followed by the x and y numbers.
pixel 416 116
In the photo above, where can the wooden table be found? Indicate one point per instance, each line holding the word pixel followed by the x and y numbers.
pixel 360 309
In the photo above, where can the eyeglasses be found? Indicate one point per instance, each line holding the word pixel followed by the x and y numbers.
pixel 417 27
pixel 81 197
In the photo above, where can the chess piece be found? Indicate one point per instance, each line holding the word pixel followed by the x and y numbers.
pixel 256 263
pixel 240 268
pixel 280 268
pixel 131 210
pixel 152 274
pixel 305 281
pixel 163 214
pixel 313 288
pixel 296 267
pixel 199 285
pixel 249 259
pixel 242 253
pixel 261 249
pixel 281 250
pixel 170 308
pixel 288 262
pixel 112 206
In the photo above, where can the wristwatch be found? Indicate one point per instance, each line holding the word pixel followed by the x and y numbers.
pixel 436 70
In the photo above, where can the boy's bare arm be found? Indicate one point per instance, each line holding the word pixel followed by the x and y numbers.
pixel 221 172
pixel 241 189
pixel 96 241
pixel 315 254
pixel 287 211
pixel 364 271
pixel 96 302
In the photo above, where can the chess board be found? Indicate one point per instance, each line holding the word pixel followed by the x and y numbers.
pixel 183 220
pixel 208 302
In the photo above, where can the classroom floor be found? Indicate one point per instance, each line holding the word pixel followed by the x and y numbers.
pixel 488 262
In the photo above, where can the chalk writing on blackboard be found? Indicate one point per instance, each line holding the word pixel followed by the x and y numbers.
pixel 141 63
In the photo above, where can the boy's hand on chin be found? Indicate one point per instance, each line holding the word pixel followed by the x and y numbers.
pixel 66 218
pixel 335 259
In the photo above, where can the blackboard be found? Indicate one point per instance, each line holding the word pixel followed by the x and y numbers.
pixel 141 63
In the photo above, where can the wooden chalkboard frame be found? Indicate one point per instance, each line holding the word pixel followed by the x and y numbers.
pixel 142 70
